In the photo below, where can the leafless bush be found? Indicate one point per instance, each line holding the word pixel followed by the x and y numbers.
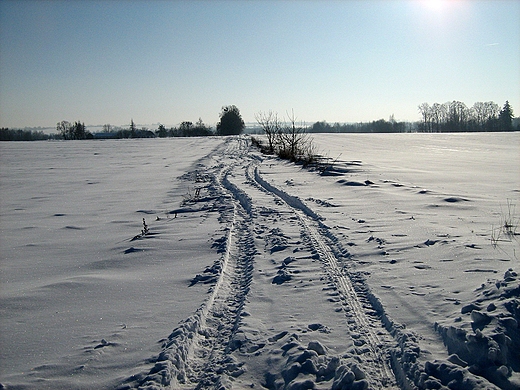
pixel 271 127
pixel 288 140
pixel 507 229
pixel 192 196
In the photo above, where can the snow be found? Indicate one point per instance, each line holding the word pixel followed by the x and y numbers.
pixel 390 270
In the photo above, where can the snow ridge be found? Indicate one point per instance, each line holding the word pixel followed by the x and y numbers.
pixel 486 337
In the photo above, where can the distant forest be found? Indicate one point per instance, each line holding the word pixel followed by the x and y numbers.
pixel 452 116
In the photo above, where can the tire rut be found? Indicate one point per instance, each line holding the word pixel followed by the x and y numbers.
pixel 205 352
pixel 362 317
pixel 372 347
pixel 209 359
pixel 195 355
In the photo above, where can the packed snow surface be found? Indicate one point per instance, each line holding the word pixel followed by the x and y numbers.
pixel 201 263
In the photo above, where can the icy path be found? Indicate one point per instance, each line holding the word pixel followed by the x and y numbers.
pixel 285 310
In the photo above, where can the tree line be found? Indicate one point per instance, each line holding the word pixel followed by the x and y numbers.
pixel 76 130
pixel 230 123
pixel 7 134
pixel 186 129
pixel 455 116
pixel 379 126
pixel 452 116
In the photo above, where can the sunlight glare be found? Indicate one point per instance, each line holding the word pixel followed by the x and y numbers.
pixel 435 5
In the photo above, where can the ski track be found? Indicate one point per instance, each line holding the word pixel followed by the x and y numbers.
pixel 198 353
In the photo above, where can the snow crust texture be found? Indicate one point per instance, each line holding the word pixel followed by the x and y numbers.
pixel 486 338
pixel 211 349
pixel 281 284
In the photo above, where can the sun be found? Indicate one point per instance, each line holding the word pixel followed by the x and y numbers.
pixel 435 5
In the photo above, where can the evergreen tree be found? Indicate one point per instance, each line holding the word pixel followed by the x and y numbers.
pixel 231 122
pixel 201 130
pixel 505 117
pixel 78 130
pixel 132 129
pixel 161 131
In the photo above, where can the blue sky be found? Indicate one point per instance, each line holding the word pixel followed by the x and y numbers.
pixel 172 61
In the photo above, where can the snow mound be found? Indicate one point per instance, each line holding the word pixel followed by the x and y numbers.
pixel 485 339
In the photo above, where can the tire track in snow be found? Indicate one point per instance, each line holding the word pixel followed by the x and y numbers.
pixel 198 353
pixel 208 358
pixel 375 352
pixel 195 355
pixel 378 367
pixel 389 353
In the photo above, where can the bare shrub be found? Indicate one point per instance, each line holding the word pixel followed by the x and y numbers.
pixel 288 140
pixel 144 231
pixel 508 226
pixel 270 124
pixel 192 196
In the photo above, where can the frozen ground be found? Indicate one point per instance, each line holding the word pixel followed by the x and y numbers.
pixel 390 270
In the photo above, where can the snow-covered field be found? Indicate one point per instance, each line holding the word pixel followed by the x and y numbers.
pixel 393 269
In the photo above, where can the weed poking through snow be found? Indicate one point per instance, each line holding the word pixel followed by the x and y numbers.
pixel 144 231
pixel 510 220
pixel 191 196
pixel 507 230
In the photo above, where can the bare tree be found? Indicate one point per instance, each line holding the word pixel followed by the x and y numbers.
pixel 425 111
pixel 438 115
pixel 294 139
pixel 492 110
pixel 478 113
pixel 271 127
pixel 287 140
pixel 458 116
pixel 492 113
pixel 63 128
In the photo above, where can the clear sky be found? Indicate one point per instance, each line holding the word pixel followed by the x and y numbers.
pixel 172 61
